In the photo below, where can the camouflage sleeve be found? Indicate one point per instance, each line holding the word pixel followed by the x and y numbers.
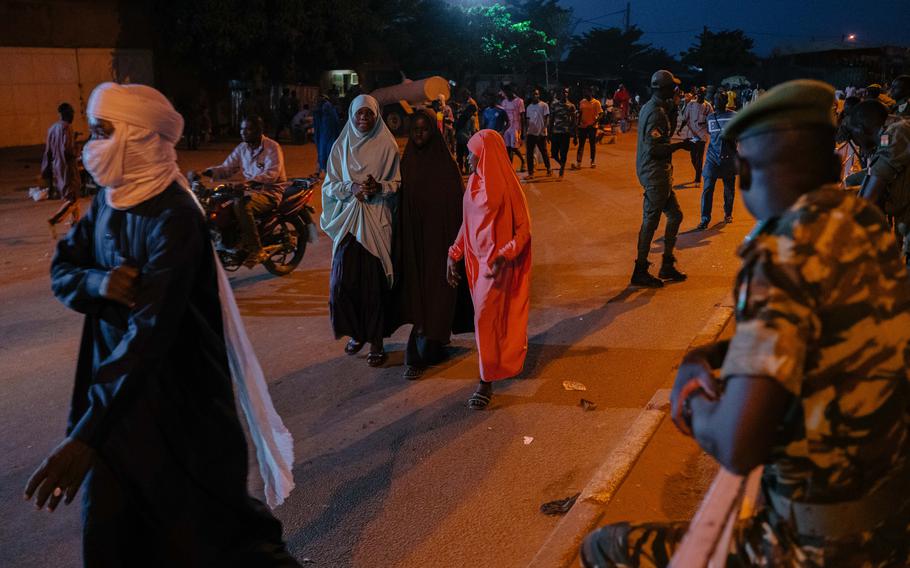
pixel 774 323
pixel 893 156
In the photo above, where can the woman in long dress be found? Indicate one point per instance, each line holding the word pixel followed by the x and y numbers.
pixel 429 219
pixel 358 197
pixel 495 243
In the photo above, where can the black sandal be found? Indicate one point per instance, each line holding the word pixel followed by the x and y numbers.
pixel 353 347
pixel 478 401
pixel 413 373
pixel 376 358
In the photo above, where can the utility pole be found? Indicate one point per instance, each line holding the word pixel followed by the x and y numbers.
pixel 627 19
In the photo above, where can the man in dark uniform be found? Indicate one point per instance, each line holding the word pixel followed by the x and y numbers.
pixel 153 428
pixel 814 384
pixel 900 92
pixel 654 166
pixel 887 183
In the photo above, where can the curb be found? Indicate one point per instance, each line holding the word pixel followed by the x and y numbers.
pixel 561 545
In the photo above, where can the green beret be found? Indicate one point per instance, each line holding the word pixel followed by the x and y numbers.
pixel 791 105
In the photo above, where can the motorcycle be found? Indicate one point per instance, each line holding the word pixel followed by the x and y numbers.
pixel 284 230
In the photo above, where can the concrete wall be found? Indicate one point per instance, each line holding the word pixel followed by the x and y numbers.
pixel 35 80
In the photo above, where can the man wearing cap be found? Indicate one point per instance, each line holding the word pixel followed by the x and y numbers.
pixel 694 119
pixel 654 166
pixel 152 431
pixel 887 183
pixel 814 384
pixel 900 92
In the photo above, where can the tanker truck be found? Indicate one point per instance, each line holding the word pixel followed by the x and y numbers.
pixel 398 101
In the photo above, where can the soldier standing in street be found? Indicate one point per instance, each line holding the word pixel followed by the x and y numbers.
pixel 887 183
pixel 655 173
pixel 814 384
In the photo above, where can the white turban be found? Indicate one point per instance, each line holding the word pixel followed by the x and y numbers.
pixel 139 160
pixel 138 105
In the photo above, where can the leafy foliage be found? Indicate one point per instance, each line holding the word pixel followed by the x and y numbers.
pixel 719 53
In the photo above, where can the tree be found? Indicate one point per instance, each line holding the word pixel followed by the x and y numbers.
pixel 719 54
pixel 612 52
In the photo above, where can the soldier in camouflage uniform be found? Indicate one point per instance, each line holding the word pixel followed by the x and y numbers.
pixel 887 184
pixel 814 384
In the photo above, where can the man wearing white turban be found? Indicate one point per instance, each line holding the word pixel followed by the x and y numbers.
pixel 153 431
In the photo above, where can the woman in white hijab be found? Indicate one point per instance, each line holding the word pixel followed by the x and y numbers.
pixel 358 196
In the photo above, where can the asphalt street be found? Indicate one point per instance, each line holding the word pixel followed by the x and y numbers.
pixel 391 472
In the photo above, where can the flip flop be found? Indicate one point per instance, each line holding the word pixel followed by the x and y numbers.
pixel 478 401
pixel 353 347
pixel 376 358
pixel 412 373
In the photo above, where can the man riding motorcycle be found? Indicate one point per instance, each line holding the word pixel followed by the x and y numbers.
pixel 260 160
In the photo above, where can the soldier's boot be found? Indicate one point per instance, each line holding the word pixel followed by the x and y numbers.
pixel 641 276
pixel 668 270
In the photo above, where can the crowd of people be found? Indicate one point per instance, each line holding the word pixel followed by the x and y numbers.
pixel 813 385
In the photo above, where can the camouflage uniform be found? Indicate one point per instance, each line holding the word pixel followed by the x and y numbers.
pixel 891 162
pixel 823 308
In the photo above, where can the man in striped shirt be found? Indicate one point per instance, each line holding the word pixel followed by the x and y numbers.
pixel 719 163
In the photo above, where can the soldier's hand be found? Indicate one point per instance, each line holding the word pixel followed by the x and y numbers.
pixel 61 474
pixel 120 285
pixel 693 378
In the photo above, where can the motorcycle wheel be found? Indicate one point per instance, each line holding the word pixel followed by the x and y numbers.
pixel 279 264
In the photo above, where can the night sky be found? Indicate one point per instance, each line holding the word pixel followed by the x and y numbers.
pixel 771 23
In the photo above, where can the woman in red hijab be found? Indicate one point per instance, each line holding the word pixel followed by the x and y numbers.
pixel 495 243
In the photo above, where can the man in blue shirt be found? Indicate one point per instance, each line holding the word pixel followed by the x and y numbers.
pixel 719 164
pixel 494 116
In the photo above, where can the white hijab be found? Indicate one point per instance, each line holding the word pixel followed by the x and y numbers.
pixel 355 156
pixel 138 163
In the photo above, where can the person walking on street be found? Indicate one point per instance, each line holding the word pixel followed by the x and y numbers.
pixel 153 438
pixel 358 197
pixel 495 243
pixel 621 99
pixel 326 126
pixel 694 120
pixel 589 111
pixel 58 166
pixel 429 217
pixel 493 116
pixel 562 126
pixel 813 384
pixel 464 130
pixel 536 117
pixel 654 165
pixel 514 107
pixel 719 164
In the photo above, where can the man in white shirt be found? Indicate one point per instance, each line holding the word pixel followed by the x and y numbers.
pixel 259 160
pixel 694 119
pixel 535 119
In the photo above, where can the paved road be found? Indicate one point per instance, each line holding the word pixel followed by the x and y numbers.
pixel 391 472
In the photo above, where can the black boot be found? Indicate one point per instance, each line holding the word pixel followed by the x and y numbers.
pixel 641 276
pixel 668 271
